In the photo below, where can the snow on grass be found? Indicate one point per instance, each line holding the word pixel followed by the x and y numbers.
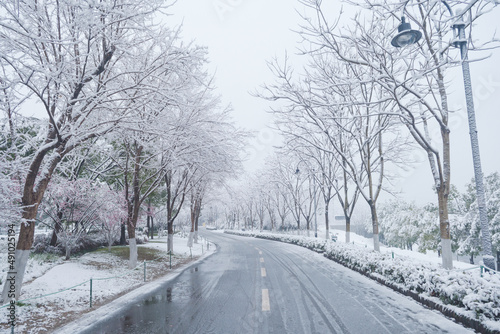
pixel 65 285
pixel 462 290
pixel 429 256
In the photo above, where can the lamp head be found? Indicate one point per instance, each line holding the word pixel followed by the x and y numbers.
pixel 406 36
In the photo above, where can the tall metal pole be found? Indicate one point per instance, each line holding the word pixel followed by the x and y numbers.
pixel 488 259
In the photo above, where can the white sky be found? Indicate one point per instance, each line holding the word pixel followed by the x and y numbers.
pixel 242 35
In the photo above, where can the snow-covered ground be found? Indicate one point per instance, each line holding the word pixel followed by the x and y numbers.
pixel 65 285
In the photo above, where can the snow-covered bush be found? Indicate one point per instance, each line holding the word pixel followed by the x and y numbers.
pixel 42 245
pixel 141 238
pixel 85 243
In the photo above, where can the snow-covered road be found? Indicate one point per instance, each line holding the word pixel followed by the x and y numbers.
pixel 259 286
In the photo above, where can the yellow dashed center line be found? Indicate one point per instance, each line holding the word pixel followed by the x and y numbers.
pixel 265 300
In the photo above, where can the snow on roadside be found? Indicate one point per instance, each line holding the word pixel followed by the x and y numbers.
pixel 462 291
pixel 41 315
pixel 428 257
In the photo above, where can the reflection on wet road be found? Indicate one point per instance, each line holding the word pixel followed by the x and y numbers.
pixel 260 286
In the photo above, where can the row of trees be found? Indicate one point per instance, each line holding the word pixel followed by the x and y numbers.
pixel 353 112
pixel 130 112
pixel 287 195
pixel 357 93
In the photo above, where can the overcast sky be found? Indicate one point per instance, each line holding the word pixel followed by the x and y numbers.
pixel 242 35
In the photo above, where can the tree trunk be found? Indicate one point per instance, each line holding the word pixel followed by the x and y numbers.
pixel 195 237
pixel 30 202
pixel 57 229
pixel 191 232
pixel 133 253
pixel 21 259
pixel 148 225
pixel 133 206
pixel 17 276
pixel 327 221
pixel 170 243
pixel 444 228
pixel 190 239
pixel 152 228
pixel 132 243
pixel 170 239
pixel 123 238
pixel 347 229
pixel 68 250
pixel 53 239
pixel 373 211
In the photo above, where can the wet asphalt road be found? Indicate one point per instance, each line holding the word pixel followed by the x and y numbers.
pixel 260 286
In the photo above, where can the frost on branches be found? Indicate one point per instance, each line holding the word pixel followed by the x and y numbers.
pixel 68 56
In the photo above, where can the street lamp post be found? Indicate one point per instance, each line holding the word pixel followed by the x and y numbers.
pixel 405 37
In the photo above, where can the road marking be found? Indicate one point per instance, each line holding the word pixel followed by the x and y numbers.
pixel 263 272
pixel 260 252
pixel 265 300
pixel 261 260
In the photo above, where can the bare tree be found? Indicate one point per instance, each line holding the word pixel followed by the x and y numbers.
pixel 413 79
